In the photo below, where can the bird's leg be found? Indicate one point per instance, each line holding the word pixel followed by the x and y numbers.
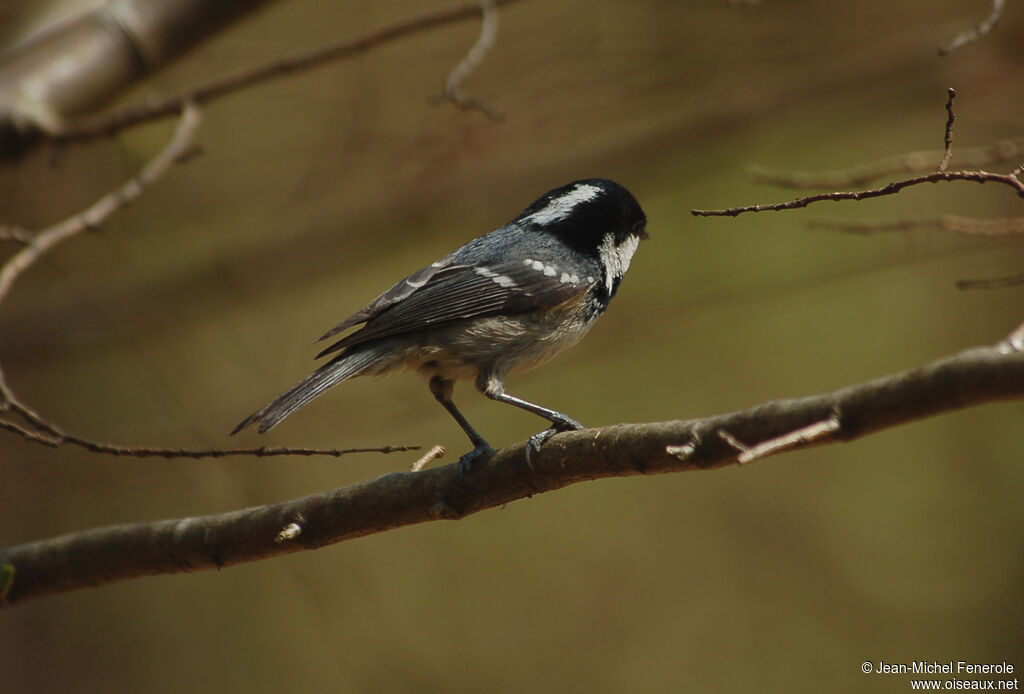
pixel 493 387
pixel 442 390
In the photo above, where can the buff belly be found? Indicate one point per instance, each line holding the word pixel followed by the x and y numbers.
pixel 494 346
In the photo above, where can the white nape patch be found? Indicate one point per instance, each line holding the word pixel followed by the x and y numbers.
pixel 501 280
pixel 559 208
pixel 616 258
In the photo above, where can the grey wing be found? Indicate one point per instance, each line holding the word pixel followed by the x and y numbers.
pixel 392 296
pixel 463 291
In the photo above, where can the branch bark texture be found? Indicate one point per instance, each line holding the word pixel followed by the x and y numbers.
pixel 77 66
pixel 105 555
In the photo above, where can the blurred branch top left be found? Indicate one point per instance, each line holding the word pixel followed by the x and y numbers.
pixel 55 85
pixel 79 65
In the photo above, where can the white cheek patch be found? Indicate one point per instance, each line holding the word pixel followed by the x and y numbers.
pixel 501 280
pixel 559 208
pixel 616 258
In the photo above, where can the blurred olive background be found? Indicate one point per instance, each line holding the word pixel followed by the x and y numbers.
pixel 199 303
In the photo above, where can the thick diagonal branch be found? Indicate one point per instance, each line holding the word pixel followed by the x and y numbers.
pixel 106 555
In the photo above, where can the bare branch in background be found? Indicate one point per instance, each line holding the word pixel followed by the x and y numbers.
pixel 1008 149
pixel 973 35
pixel 155 108
pixel 38 429
pixel 453 85
pixel 968 226
pixel 177 147
pixel 960 225
pixel 105 555
pixel 1010 179
pixel 995 283
pixel 50 435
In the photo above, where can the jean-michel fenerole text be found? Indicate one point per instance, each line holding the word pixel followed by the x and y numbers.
pixel 934 667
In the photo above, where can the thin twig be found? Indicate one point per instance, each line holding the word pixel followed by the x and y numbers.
pixel 30 435
pixel 38 423
pixel 49 436
pixel 818 432
pixel 259 452
pixel 950 120
pixel 889 189
pixel 733 442
pixel 960 225
pixel 452 90
pixel 154 108
pixel 430 456
pixel 986 26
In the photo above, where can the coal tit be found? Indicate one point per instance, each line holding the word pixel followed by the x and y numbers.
pixel 502 303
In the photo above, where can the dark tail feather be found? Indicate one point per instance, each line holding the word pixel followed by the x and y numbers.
pixel 330 374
